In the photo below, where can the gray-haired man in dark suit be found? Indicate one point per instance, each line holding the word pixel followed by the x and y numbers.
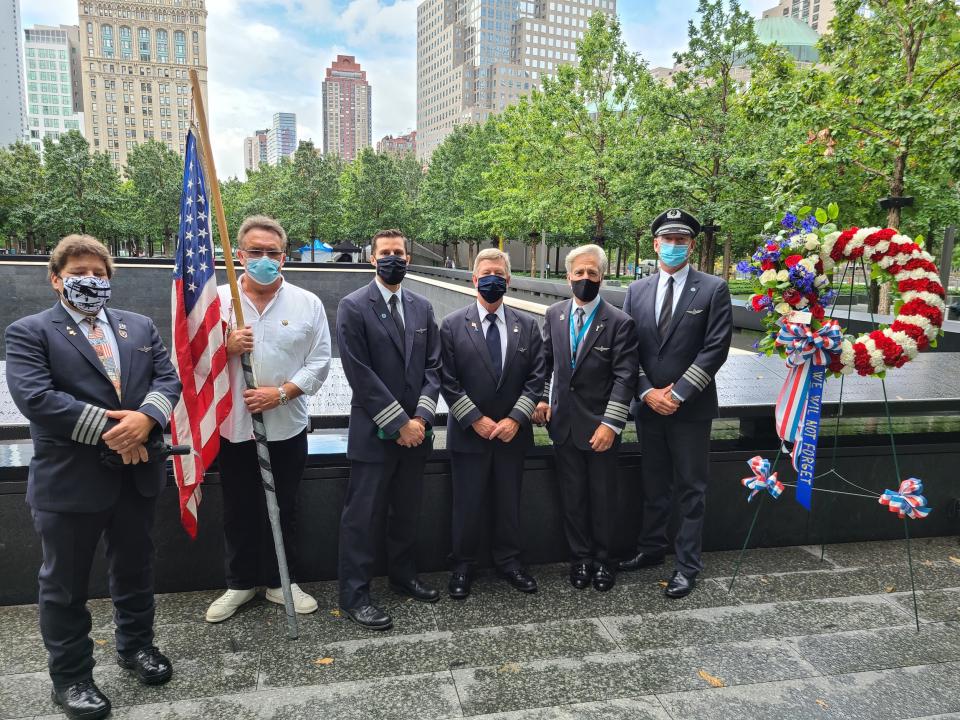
pixel 590 348
pixel 492 380
pixel 390 349
pixel 684 322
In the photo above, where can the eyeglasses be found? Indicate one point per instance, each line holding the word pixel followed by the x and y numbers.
pixel 256 254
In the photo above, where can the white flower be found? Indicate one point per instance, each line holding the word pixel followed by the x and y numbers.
pixel 809 264
pixel 768 276
pixel 812 244
pixel 821 281
pixel 783 276
pixel 783 308
pixel 827 243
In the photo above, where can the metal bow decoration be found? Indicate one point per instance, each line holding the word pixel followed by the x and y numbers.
pixel 804 344
pixel 907 501
pixel 762 479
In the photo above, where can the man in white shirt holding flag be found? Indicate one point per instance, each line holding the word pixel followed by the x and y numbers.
pixel 287 335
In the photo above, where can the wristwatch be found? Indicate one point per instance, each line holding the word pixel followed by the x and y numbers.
pixel 676 397
pixel 283 396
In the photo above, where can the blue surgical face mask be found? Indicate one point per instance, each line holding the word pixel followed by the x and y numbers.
pixel 492 287
pixel 673 255
pixel 263 271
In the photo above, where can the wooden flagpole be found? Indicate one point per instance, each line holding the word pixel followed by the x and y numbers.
pixel 259 429
pixel 214 187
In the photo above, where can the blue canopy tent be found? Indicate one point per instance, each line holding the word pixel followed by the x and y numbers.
pixel 318 252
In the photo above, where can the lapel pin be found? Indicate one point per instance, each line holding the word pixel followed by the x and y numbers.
pixel 383 316
pixel 561 317
pixel 474 326
pixel 420 331
pixel 71 331
pixel 145 348
pixel 516 329
pixel 122 326
pixel 693 289
pixel 123 333
pixel 284 322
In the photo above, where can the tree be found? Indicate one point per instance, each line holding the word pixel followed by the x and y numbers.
pixel 21 188
pixel 156 173
pixel 373 196
pixel 314 195
pixel 80 189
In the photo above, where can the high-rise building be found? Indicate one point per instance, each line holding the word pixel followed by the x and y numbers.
pixel 135 62
pixel 347 108
pixel 54 93
pixel 13 116
pixel 282 137
pixel 400 145
pixel 476 57
pixel 815 13
pixel 255 150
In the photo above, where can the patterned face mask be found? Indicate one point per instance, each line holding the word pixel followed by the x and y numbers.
pixel 88 294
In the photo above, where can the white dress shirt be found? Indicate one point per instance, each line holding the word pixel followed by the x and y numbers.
pixel 679 280
pixel 587 322
pixel 83 326
pixel 291 343
pixel 501 326
pixel 387 295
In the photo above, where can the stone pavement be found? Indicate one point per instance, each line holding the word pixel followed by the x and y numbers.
pixel 797 638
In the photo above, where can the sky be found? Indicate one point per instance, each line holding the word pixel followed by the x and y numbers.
pixel 269 56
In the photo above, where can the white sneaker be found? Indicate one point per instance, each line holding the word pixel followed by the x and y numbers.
pixel 304 604
pixel 228 603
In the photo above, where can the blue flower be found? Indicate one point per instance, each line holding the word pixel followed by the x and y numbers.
pixel 789 220
pixel 801 278
pixel 746 267
pixel 809 224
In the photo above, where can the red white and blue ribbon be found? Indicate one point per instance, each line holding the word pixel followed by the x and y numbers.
pixel 761 479
pixel 907 501
pixel 799 403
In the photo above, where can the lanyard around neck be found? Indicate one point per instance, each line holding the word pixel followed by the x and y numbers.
pixel 577 337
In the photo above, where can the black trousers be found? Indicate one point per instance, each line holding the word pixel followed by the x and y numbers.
pixel 475 475
pixel 69 543
pixel 251 558
pixel 376 489
pixel 588 491
pixel 676 468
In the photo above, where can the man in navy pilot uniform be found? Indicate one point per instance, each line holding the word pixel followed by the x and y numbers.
pixel 390 349
pixel 88 378
pixel 590 348
pixel 493 375
pixel 684 322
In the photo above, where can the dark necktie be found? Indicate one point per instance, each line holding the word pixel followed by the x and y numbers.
pixel 493 345
pixel 578 328
pixel 395 311
pixel 666 309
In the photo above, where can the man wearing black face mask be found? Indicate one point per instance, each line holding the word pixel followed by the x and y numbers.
pixel 493 376
pixel 390 349
pixel 590 348
pixel 87 377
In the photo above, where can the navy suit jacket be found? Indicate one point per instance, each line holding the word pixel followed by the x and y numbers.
pixel 694 348
pixel 393 379
pixel 59 384
pixel 601 387
pixel 471 388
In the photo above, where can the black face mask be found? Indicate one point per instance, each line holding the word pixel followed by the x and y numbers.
pixel 492 287
pixel 392 269
pixel 586 289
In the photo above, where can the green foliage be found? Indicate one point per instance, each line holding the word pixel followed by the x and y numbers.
pixel 156 174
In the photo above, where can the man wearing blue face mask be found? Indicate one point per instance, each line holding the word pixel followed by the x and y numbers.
pixel 684 322
pixel 493 377
pixel 288 338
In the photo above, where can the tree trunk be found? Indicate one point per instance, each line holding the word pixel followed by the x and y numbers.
pixel 556 260
pixel 893 221
pixel 726 256
pixel 619 258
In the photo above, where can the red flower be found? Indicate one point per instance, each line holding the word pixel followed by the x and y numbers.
pixel 837 252
pixel 920 285
pixel 772 247
pixel 818 311
pixel 792 296
pixel 879 236
pixel 836 364
pixel 793 260
pixel 756 303
pixel 819 267
pixel 767 265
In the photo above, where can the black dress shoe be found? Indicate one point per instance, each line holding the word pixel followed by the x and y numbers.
pixel 580 575
pixel 520 579
pixel 679 586
pixel 640 560
pixel 82 700
pixel 459 585
pixel 151 665
pixel 603 579
pixel 370 617
pixel 415 589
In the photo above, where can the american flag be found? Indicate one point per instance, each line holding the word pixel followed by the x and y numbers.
pixel 199 351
